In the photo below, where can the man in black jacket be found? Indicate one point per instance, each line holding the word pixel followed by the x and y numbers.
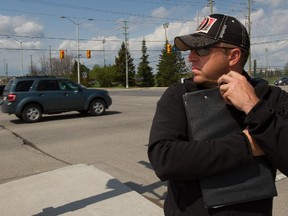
pixel 218 52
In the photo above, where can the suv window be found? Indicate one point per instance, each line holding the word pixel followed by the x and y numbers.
pixel 8 85
pixel 68 85
pixel 23 86
pixel 47 85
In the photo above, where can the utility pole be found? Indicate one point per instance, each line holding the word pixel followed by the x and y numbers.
pixel 5 69
pixel 50 60
pixel 4 61
pixel 266 70
pixel 198 21
pixel 104 41
pixel 31 62
pixel 210 3
pixel 126 52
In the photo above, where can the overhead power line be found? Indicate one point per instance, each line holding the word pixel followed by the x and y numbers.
pixel 274 41
pixel 165 2
pixel 133 41
pixel 78 7
pixel 73 39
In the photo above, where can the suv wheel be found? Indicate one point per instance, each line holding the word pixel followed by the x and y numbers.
pixel 97 107
pixel 32 113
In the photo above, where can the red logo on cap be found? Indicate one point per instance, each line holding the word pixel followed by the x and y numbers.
pixel 206 24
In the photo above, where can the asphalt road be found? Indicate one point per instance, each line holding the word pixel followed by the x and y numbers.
pixel 115 143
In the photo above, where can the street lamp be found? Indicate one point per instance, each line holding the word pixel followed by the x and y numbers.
pixel 20 42
pixel 77 37
pixel 166 25
pixel 104 41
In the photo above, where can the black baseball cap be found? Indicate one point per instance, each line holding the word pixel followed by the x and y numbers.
pixel 214 29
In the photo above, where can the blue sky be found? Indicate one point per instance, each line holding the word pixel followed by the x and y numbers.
pixel 37 24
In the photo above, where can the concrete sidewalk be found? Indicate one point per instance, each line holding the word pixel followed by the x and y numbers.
pixel 85 190
pixel 73 190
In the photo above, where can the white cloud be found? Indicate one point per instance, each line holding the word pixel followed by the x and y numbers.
pixel 14 27
pixel 15 44
pixel 273 3
pixel 29 28
pixel 32 44
pixel 160 12
pixel 20 25
pixel 5 24
pixel 269 37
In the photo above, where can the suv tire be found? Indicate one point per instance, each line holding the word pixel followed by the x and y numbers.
pixel 32 113
pixel 97 107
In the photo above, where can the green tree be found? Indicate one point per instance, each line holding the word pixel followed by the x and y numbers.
pixel 145 74
pixel 120 63
pixel 183 70
pixel 105 76
pixel 171 68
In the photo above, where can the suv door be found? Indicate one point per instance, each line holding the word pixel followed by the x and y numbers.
pixel 49 95
pixel 74 98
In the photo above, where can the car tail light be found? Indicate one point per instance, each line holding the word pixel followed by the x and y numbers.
pixel 11 97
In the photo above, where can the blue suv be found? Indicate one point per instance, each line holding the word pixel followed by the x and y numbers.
pixel 31 97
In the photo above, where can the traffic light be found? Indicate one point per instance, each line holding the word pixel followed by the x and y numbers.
pixel 62 54
pixel 88 53
pixel 168 48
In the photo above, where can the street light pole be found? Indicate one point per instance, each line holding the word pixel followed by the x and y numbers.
pixel 77 38
pixel 166 25
pixel 78 56
pixel 21 46
pixel 104 41
pixel 21 57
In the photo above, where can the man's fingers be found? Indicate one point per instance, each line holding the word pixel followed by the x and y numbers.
pixel 229 77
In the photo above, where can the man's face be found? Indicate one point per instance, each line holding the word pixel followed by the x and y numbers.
pixel 208 64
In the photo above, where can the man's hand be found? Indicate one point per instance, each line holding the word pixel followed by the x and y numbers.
pixel 256 149
pixel 237 91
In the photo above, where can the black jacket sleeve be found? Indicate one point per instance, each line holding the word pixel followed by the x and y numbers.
pixel 268 125
pixel 171 154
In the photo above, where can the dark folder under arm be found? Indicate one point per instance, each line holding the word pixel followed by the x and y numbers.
pixel 209 117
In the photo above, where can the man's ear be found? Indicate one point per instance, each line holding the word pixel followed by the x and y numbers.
pixel 235 56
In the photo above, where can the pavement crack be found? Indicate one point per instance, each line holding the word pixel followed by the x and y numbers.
pixel 28 143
